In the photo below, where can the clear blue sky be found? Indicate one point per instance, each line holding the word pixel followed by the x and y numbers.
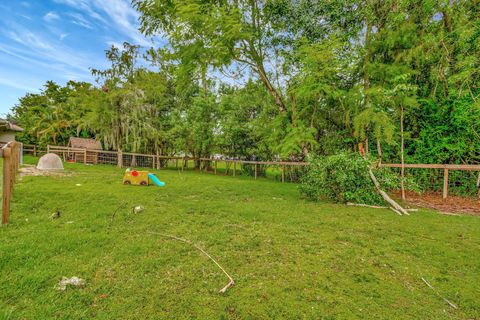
pixel 58 40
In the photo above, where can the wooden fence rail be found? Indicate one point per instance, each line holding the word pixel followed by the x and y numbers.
pixel 446 169
pixel 131 159
pixel 125 159
pixel 11 163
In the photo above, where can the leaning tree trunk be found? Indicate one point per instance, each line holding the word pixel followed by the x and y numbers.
pixel 384 195
pixel 402 154
pixel 379 151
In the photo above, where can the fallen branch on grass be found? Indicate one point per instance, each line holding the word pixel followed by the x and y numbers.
pixel 385 196
pixel 365 205
pixel 230 283
pixel 436 292
pixel 396 211
pixel 121 206
pixel 379 207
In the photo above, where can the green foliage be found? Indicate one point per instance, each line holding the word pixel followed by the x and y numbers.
pixel 49 117
pixel 377 121
pixel 281 79
pixel 344 178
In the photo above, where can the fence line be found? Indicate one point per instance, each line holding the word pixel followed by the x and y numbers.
pixel 11 163
pixel 464 167
pixel 131 159
pixel 446 170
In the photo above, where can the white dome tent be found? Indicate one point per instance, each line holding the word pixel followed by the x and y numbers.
pixel 50 161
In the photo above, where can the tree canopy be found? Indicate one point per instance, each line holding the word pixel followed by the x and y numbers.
pixel 271 79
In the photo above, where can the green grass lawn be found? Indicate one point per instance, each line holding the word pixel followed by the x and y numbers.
pixel 290 258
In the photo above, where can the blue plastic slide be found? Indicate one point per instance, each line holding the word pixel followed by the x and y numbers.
pixel 155 180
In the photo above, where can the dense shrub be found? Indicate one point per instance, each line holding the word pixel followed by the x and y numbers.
pixel 344 178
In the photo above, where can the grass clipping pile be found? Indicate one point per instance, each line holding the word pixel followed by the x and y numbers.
pixel 348 178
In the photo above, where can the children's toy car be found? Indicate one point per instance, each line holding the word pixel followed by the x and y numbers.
pixel 134 177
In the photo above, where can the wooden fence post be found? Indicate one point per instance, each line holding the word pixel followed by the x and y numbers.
pixel 283 173
pixel 445 183
pixel 133 161
pixel 119 159
pixel 85 156
pixel 234 168
pixel 478 184
pixel 255 171
pixel 153 162
pixel 34 150
pixel 7 180
pixel 16 161
pixel 48 148
pixel 215 170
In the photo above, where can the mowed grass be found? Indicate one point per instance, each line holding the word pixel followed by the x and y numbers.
pixel 290 258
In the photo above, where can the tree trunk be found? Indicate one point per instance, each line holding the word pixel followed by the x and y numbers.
pixel 204 81
pixel 402 154
pixel 366 144
pixel 271 90
pixel 384 195
pixel 366 78
pixel 379 150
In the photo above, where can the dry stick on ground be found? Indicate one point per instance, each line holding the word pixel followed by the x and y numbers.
pixel 385 196
pixel 231 283
pixel 436 292
pixel 122 205
pixel 396 211
pixel 376 207
pixel 365 205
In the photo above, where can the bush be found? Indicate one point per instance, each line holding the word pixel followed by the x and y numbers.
pixel 344 178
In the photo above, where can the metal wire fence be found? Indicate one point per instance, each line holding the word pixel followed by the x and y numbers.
pixel 279 171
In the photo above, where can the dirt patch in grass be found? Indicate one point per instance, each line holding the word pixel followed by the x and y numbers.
pixel 451 205
pixel 33 171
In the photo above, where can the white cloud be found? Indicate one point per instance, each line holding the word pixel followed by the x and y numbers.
pixel 125 17
pixel 115 44
pixel 27 38
pixel 63 36
pixel 17 85
pixel 84 6
pixel 116 14
pixel 37 48
pixel 80 20
pixel 51 16
pixel 25 17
